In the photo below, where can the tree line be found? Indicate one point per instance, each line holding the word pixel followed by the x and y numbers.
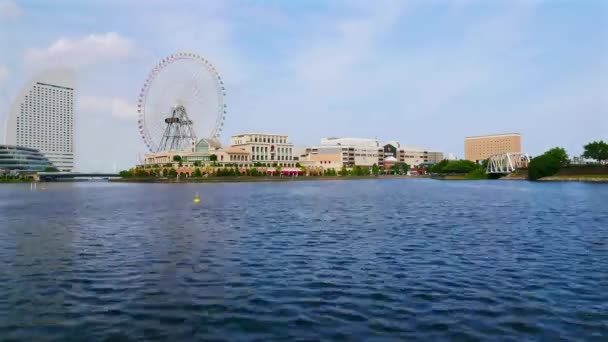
pixel 549 163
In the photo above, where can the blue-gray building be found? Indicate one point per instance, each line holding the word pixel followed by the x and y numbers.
pixel 19 158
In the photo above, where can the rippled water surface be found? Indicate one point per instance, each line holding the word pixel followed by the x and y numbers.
pixel 335 260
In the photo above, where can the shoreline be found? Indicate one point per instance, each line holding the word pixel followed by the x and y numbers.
pixel 256 179
pixel 581 178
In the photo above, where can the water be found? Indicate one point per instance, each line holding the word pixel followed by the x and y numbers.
pixel 335 260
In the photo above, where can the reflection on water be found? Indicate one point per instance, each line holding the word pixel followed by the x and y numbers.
pixel 398 259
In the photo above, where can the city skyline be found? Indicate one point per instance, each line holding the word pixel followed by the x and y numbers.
pixel 426 74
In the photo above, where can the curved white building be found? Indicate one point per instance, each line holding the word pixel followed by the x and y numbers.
pixel 42 117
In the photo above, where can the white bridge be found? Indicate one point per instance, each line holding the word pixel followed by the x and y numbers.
pixel 507 162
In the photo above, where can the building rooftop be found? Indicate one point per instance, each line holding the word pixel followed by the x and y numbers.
pixel 360 142
pixel 493 135
pixel 243 134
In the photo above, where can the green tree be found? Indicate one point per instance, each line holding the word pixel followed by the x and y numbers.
pixel 479 173
pixel 198 173
pixel 141 173
pixel 459 166
pixel 344 171
pixel 597 150
pixel 51 169
pixel 172 173
pixel 197 163
pixel 298 165
pixel 124 173
pixel 213 157
pixel 544 165
pixel 180 164
pixel 438 168
pixel 177 158
pixel 396 169
pixel 375 169
pixel 405 168
pixel 560 155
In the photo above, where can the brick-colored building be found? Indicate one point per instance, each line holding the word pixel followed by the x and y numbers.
pixel 483 147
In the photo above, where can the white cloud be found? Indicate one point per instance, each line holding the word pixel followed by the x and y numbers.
pixel 332 56
pixel 9 10
pixel 89 50
pixel 112 106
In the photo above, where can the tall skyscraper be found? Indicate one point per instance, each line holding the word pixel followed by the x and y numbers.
pixel 42 117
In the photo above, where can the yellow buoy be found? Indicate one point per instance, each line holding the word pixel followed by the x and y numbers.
pixel 196 199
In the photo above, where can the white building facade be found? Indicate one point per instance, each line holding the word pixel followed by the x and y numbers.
pixel 264 148
pixel 42 117
pixel 355 151
pixel 334 153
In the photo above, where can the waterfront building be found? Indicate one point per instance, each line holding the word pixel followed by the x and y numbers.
pixel 200 152
pixel 479 148
pixel 327 157
pixel 354 151
pixel 435 157
pixel 411 155
pixel 42 117
pixel 264 148
pixel 234 155
pixel 17 158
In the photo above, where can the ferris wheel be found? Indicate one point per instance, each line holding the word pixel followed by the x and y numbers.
pixel 181 101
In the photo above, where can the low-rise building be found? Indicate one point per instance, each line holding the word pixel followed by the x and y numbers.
pixel 234 155
pixel 435 157
pixel 264 148
pixel 200 152
pixel 327 157
pixel 355 151
pixel 17 158
pixel 410 155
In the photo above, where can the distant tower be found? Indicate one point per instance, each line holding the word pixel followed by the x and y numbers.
pixel 42 117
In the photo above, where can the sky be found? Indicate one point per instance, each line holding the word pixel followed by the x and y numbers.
pixel 426 73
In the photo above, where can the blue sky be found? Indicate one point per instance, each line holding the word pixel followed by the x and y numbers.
pixel 425 73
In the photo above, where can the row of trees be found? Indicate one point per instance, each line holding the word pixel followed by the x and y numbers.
pixel 455 167
pixel 596 150
pixel 549 163
pixel 228 171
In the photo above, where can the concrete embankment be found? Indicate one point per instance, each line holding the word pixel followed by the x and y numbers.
pixel 580 173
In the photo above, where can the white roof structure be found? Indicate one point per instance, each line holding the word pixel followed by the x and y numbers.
pixel 357 142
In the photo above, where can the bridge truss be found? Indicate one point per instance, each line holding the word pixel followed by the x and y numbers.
pixel 507 162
